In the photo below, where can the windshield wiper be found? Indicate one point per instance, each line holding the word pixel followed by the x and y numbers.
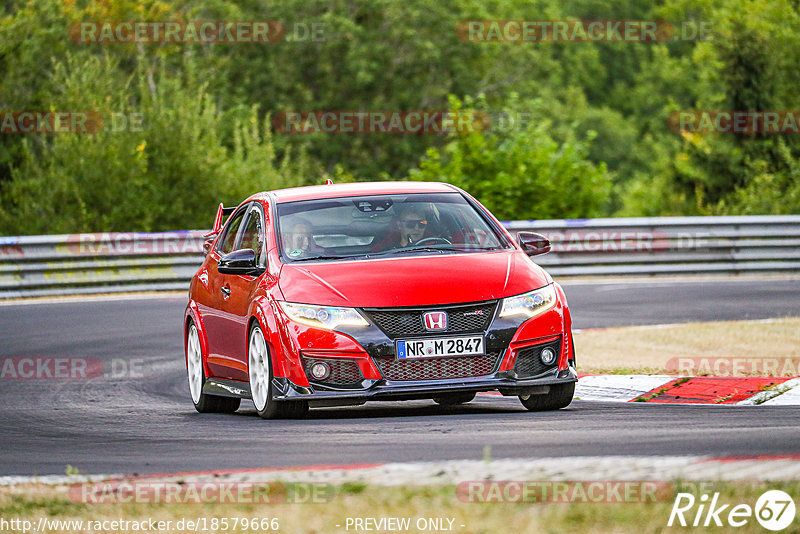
pixel 429 248
pixel 414 249
pixel 309 258
pixel 425 248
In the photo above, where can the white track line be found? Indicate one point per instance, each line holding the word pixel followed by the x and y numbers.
pixel 611 468
pixel 621 388
pixel 785 394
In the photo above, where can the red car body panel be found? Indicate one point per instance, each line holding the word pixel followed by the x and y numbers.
pixel 223 321
pixel 412 281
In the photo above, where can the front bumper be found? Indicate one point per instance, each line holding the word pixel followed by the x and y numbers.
pixel 364 363
pixel 284 389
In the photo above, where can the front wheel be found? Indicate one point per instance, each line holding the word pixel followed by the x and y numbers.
pixel 203 402
pixel 259 369
pixel 560 396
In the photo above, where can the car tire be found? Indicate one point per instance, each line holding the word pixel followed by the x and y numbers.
pixel 203 402
pixel 259 369
pixel 453 399
pixel 560 396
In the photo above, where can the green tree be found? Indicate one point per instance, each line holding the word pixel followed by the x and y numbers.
pixel 521 173
pixel 169 174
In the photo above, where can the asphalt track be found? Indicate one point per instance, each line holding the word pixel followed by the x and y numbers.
pixel 139 419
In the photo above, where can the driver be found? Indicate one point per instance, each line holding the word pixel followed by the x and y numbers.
pixel 409 226
pixel 412 224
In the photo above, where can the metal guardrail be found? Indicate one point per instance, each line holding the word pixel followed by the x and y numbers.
pixel 121 262
pixel 669 245
pixel 79 264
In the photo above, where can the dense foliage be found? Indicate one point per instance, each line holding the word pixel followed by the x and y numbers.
pixel 188 125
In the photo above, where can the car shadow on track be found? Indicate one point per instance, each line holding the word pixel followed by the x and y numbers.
pixel 401 409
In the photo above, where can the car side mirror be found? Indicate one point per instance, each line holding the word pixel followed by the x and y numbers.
pixel 241 262
pixel 533 244
pixel 207 245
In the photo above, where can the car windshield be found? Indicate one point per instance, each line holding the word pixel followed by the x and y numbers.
pixel 383 225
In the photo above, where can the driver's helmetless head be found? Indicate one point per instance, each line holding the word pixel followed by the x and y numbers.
pixel 412 223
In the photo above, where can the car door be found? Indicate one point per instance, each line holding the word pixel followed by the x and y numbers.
pixel 235 295
pixel 219 364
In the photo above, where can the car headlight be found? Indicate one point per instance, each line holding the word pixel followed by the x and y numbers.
pixel 531 303
pixel 329 317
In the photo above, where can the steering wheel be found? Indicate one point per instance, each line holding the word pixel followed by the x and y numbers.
pixel 432 240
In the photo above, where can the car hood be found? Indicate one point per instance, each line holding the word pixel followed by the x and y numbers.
pixel 412 281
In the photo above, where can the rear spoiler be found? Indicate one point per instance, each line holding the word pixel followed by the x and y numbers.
pixel 222 212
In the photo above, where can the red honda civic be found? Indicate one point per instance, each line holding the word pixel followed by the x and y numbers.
pixel 334 295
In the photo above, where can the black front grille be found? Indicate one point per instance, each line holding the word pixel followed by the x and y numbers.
pixel 529 364
pixel 437 368
pixel 409 322
pixel 344 372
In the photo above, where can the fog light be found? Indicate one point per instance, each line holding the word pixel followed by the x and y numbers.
pixel 548 356
pixel 320 370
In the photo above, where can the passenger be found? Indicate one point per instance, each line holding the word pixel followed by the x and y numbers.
pixel 298 241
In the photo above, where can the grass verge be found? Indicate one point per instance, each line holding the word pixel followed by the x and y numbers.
pixel 649 349
pixel 437 503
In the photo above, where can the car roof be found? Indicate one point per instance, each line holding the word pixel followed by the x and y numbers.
pixel 313 192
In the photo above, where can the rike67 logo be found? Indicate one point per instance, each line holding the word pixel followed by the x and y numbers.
pixel 774 510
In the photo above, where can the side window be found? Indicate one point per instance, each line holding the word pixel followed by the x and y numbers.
pixel 232 228
pixel 253 236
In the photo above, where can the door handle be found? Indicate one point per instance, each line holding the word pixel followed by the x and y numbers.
pixel 226 291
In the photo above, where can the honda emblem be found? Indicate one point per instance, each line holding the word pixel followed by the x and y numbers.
pixel 436 320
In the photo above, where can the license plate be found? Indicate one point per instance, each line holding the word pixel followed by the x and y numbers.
pixel 437 347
